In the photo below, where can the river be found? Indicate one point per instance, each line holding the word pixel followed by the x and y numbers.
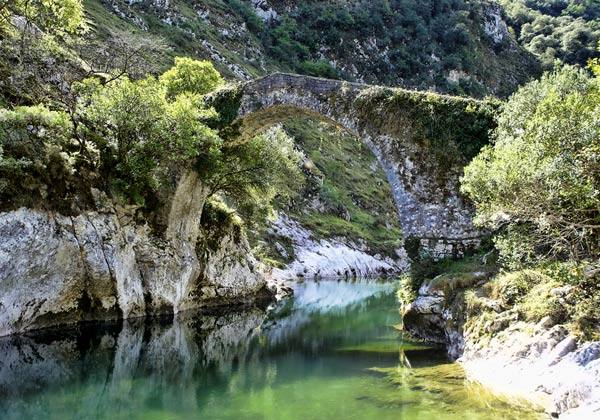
pixel 333 351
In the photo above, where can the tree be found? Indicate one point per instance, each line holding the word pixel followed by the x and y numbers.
pixel 253 173
pixel 55 17
pixel 190 76
pixel 141 135
pixel 538 185
pixel 146 134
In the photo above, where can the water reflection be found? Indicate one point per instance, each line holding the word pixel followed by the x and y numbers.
pixel 330 352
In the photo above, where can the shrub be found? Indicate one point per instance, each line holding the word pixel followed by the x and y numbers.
pixel 190 76
pixel 510 287
pixel 540 302
pixel 539 183
pixel 35 163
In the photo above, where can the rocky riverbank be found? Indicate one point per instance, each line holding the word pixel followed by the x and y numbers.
pixel 543 362
pixel 328 258
pixel 108 263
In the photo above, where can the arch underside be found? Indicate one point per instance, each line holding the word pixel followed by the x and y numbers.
pixel 256 122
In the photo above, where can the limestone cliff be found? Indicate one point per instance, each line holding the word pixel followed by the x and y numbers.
pixel 108 263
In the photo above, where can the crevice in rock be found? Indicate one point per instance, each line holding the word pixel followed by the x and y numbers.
pixel 101 245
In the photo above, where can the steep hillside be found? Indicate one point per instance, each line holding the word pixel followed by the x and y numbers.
pixel 565 30
pixel 461 47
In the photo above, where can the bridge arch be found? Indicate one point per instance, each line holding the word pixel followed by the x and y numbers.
pixel 421 139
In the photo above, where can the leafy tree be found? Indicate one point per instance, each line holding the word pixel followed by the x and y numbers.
pixel 57 17
pixel 254 172
pixel 191 76
pixel 146 135
pixel 134 138
pixel 141 134
pixel 538 185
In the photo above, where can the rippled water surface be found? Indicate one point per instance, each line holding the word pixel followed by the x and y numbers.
pixel 331 352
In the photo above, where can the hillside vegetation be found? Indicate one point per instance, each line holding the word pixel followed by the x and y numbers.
pixel 567 31
pixel 454 46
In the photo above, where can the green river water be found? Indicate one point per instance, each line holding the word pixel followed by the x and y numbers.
pixel 331 352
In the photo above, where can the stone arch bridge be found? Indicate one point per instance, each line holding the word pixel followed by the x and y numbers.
pixel 421 139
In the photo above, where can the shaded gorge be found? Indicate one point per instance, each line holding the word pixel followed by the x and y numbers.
pixel 332 351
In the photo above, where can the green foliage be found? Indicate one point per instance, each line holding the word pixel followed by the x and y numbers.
pixel 58 17
pixel 190 76
pixel 510 287
pixel 411 32
pixel 541 302
pixel 35 163
pixel 226 101
pixel 540 181
pixel 567 292
pixel 141 135
pixel 551 30
pixel 252 173
pixel 133 138
pixel 345 178
pixel 407 290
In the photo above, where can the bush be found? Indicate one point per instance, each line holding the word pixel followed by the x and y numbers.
pixel 320 68
pixel 190 76
pixel 568 292
pixel 539 183
pixel 541 302
pixel 35 163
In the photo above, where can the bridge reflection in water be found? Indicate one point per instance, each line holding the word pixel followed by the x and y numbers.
pixel 330 352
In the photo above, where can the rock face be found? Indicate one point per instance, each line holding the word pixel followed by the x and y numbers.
pixel 494 25
pixel 546 363
pixel 106 264
pixel 424 183
pixel 542 362
pixel 328 258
